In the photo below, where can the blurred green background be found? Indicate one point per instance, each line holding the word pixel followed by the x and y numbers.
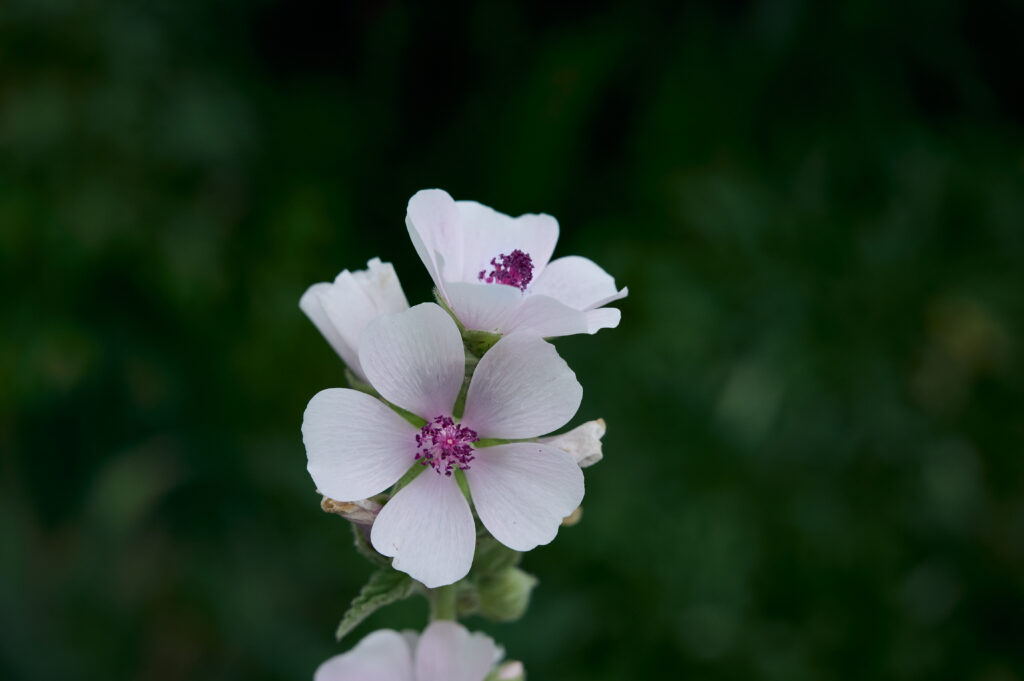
pixel 814 458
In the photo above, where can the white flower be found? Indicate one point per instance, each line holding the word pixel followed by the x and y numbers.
pixel 445 651
pixel 357 446
pixel 494 273
pixel 341 310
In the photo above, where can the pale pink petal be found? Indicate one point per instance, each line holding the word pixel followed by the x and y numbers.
pixel 548 318
pixel 428 529
pixel 448 652
pixel 602 318
pixel 311 303
pixel 356 446
pixel 484 307
pixel 521 388
pixel 523 490
pixel 488 234
pixel 415 359
pixel 435 228
pixel 342 309
pixel 382 655
pixel 578 282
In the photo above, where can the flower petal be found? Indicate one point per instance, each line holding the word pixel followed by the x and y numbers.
pixel 435 227
pixel 523 490
pixel 428 529
pixel 602 318
pixel 483 307
pixel 578 282
pixel 355 444
pixel 487 234
pixel 350 303
pixel 521 388
pixel 311 303
pixel 382 655
pixel 548 318
pixel 448 652
pixel 415 359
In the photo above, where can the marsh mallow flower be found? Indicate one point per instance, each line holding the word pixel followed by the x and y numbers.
pixel 357 446
pixel 445 651
pixel 496 274
pixel 342 309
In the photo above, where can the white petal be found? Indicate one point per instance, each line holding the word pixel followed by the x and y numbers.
pixel 382 655
pixel 578 282
pixel 311 303
pixel 523 490
pixel 484 307
pixel 602 318
pixel 428 529
pixel 415 359
pixel 354 300
pixel 488 234
pixel 546 317
pixel 521 388
pixel 435 227
pixel 582 442
pixel 448 652
pixel 356 445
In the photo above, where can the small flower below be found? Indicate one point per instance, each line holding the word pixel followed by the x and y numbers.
pixel 446 651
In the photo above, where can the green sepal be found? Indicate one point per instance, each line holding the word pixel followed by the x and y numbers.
pixel 407 477
pixel 385 586
pixel 364 548
pixel 491 442
pixel 479 342
pixel 357 383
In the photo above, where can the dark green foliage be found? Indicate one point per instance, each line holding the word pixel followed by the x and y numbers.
pixel 813 463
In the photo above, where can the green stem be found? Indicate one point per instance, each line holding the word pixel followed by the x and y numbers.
pixel 442 603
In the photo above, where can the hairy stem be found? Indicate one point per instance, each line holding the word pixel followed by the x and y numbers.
pixel 442 603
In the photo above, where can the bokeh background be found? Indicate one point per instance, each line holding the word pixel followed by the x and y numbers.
pixel 814 458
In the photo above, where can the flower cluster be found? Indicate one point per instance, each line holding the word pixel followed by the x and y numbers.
pixel 448 406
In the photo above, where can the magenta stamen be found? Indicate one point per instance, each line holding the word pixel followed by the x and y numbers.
pixel 443 445
pixel 514 269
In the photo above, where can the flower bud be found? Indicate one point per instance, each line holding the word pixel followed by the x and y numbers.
pixel 505 595
pixel 583 442
pixel 357 512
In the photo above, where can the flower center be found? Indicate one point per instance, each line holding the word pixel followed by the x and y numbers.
pixel 443 445
pixel 514 269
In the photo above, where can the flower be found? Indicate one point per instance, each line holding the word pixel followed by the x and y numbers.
pixel 445 651
pixel 341 310
pixel 357 446
pixel 493 271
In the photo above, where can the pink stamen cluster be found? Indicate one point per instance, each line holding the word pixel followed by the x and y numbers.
pixel 514 269
pixel 442 445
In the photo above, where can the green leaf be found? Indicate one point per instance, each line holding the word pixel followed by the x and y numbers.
pixel 385 586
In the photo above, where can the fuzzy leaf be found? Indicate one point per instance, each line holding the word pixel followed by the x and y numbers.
pixel 385 586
